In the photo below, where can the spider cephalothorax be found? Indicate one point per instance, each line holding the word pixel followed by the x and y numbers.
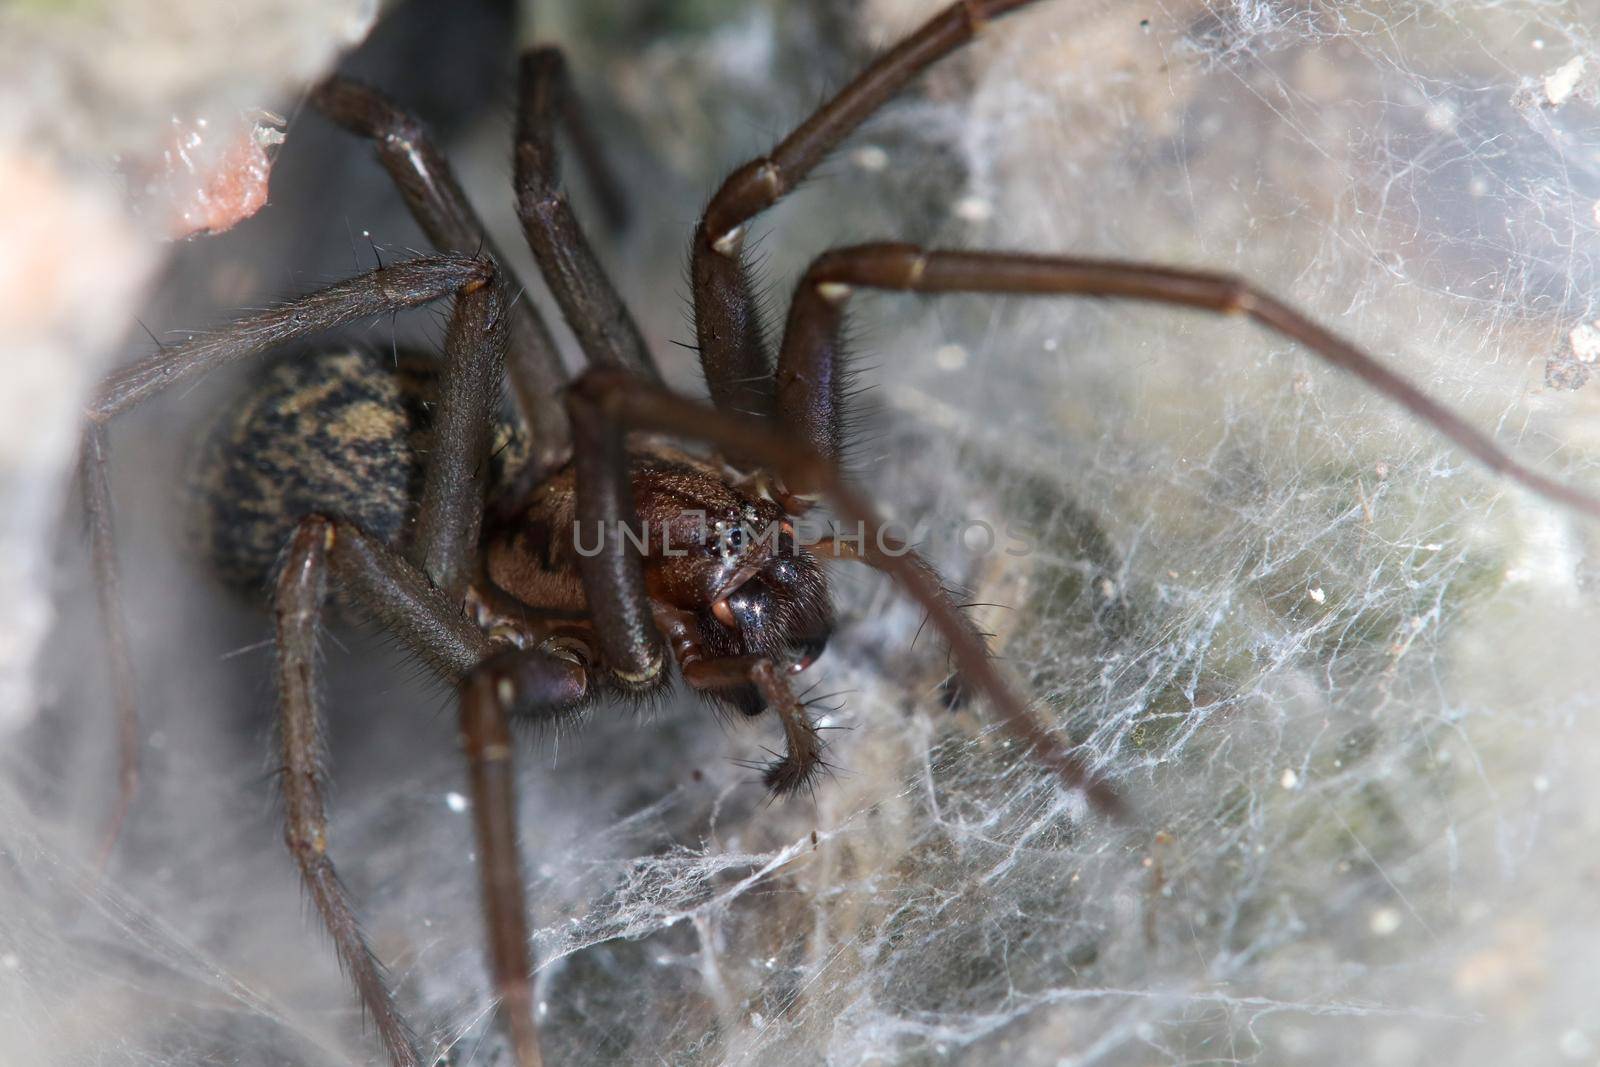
pixel 724 573
pixel 538 552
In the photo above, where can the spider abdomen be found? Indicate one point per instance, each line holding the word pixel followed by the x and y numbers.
pixel 343 433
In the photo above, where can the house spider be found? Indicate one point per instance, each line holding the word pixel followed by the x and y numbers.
pixel 476 558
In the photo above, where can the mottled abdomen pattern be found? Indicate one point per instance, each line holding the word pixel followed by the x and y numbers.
pixel 341 433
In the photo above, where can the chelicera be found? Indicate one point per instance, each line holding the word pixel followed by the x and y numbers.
pixel 565 546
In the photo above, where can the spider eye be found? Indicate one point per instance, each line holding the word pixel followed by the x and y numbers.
pixel 729 542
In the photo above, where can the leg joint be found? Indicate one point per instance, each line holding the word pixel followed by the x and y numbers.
pixel 1238 298
pixel 643 678
pixel 306 846
pixel 977 16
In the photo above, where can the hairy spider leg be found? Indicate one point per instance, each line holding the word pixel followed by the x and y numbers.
pixel 590 303
pixel 407 284
pixel 811 340
pixel 529 681
pixel 297 607
pixel 802 756
pixel 728 326
pixel 491 686
pixel 450 512
pixel 108 596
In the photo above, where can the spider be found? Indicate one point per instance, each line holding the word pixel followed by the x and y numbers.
pixel 564 549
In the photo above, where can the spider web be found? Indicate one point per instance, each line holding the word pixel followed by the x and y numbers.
pixel 1333 666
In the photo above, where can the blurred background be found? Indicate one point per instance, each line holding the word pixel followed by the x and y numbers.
pixel 1344 676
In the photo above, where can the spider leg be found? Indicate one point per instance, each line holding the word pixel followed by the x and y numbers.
pixel 450 511
pixel 530 681
pixel 568 110
pixel 375 580
pixel 108 590
pixel 301 588
pixel 803 748
pixel 613 579
pixel 620 401
pixel 589 301
pixel 807 371
pixel 409 283
pixel 733 350
pixel 429 188
pixel 493 686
